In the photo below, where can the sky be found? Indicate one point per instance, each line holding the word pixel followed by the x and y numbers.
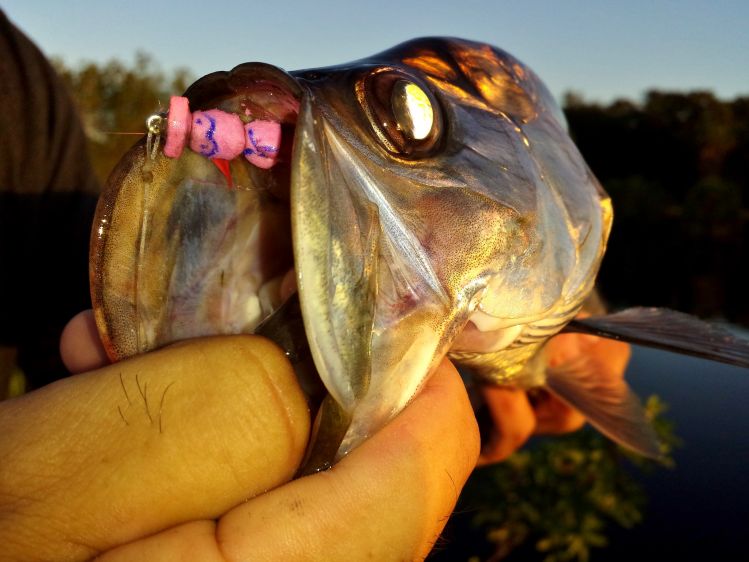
pixel 601 49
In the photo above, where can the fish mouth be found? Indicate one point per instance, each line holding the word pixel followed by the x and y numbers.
pixel 191 246
pixel 258 92
pixel 287 311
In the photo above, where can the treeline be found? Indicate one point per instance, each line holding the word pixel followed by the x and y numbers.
pixel 675 164
pixel 677 168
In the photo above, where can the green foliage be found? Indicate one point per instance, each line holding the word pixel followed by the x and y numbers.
pixel 117 98
pixel 561 494
pixel 16 383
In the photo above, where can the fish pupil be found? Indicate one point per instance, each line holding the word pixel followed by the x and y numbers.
pixel 412 110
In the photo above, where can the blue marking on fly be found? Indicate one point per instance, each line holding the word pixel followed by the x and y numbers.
pixel 209 136
pixel 262 150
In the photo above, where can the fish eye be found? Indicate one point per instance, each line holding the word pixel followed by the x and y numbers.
pixel 403 113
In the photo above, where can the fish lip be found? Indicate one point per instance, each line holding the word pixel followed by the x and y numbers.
pixel 205 91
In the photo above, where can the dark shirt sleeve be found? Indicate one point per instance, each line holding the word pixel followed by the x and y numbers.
pixel 47 199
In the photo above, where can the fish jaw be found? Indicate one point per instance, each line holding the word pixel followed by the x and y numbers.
pixel 334 266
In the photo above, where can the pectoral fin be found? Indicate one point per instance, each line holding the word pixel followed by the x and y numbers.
pixel 669 330
pixel 607 402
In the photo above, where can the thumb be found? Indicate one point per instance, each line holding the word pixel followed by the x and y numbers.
pixel 183 433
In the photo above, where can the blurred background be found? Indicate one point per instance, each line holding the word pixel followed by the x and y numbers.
pixel 657 99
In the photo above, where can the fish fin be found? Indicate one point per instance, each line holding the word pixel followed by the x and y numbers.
pixel 669 330
pixel 608 403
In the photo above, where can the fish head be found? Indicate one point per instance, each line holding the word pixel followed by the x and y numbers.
pixel 487 218
pixel 429 192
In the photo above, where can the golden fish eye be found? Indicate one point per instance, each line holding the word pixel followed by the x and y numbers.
pixel 412 110
pixel 404 115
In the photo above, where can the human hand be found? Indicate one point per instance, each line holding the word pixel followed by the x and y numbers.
pixel 154 458
pixel 517 414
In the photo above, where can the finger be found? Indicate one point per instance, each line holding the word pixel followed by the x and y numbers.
pixel 514 422
pixel 180 434
pixel 80 347
pixel 387 500
pixel 553 416
pixel 563 348
pixel 194 541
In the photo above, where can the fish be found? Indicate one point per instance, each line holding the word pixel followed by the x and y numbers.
pixel 428 201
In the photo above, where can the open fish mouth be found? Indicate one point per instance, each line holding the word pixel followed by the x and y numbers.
pixel 203 245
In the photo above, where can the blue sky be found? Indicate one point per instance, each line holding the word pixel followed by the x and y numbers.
pixel 601 49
